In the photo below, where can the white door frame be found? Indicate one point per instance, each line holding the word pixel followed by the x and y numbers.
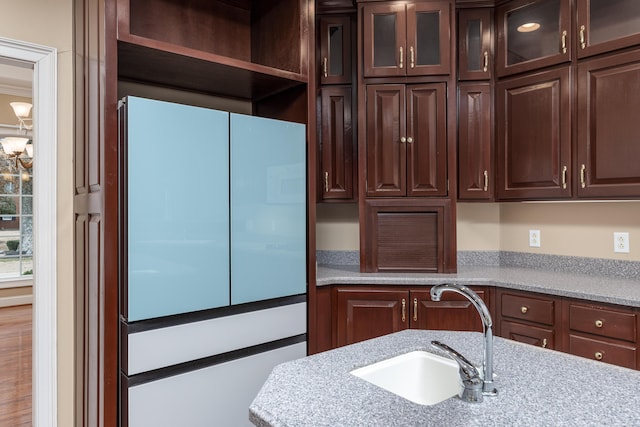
pixel 44 60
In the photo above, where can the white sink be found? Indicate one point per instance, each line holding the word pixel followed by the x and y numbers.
pixel 418 376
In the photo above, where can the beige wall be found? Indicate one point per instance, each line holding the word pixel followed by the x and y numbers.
pixel 50 23
pixel 7 116
pixel 566 228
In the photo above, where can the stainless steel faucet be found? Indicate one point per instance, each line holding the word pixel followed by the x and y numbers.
pixel 487 326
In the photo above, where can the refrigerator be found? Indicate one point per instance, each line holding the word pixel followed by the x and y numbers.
pixel 214 260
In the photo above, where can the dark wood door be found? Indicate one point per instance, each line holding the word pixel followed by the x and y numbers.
pixel 386 140
pixel 362 314
pixel 337 144
pixel 532 35
pixel 474 44
pixel 534 136
pixel 608 144
pixel 335 49
pixel 428 27
pixel 453 312
pixel 475 171
pixel 605 25
pixel 426 140
pixel 384 38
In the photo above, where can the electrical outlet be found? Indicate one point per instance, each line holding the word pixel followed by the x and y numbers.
pixel 621 242
pixel 534 238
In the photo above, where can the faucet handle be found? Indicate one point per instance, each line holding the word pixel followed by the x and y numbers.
pixel 471 382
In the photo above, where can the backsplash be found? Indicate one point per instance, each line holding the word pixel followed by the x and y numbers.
pixel 560 263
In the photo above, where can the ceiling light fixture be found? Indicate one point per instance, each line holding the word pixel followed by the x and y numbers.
pixel 22 111
pixel 14 147
pixel 528 27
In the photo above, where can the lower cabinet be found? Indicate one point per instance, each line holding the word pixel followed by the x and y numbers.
pixel 361 313
pixel 527 317
pixel 603 332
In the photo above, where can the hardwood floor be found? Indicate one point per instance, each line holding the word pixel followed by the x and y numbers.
pixel 15 366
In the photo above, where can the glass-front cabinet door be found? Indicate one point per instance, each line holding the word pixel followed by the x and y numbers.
pixel 406 39
pixel 605 25
pixel 474 44
pixel 335 50
pixel 533 34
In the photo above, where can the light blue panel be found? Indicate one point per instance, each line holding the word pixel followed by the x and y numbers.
pixel 178 213
pixel 268 209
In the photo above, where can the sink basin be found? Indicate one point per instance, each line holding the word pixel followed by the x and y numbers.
pixel 419 376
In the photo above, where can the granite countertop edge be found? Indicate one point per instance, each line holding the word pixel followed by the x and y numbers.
pixel 606 289
pixel 535 385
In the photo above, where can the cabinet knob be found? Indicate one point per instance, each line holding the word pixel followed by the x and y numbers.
pixel 409 140
pixel 403 139
pixel 524 309
pixel 598 355
pixel 599 323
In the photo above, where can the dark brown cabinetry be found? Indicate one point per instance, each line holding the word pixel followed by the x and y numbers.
pixel 338 174
pixel 529 318
pixel 602 332
pixel 606 25
pixel 532 34
pixel 367 312
pixel 408 235
pixel 608 127
pixel 475 148
pixel 406 140
pixel 475 50
pixel 406 38
pixel 533 135
pixel 335 49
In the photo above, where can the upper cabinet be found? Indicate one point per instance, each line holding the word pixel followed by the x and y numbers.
pixel 605 25
pixel 532 34
pixel 406 39
pixel 335 49
pixel 475 53
pixel 245 49
pixel 406 141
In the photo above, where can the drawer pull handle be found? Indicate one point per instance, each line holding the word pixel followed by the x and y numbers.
pixel 485 67
pixel 325 69
pixel 599 323
pixel 524 309
pixel 415 309
pixel 486 181
pixel 583 183
pixel 598 355
pixel 544 343
pixel 564 177
pixel 583 42
pixel 326 182
pixel 412 58
pixel 404 310
pixel 401 57
pixel 564 41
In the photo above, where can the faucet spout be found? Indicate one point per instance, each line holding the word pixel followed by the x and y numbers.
pixel 487 326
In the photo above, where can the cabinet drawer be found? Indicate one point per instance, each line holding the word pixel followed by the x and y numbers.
pixel 528 334
pixel 598 321
pixel 615 353
pixel 533 309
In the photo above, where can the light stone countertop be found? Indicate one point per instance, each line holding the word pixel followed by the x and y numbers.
pixel 606 289
pixel 536 386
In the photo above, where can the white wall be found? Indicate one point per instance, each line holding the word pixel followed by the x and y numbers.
pixel 50 23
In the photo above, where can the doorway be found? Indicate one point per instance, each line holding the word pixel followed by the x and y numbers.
pixel 41 252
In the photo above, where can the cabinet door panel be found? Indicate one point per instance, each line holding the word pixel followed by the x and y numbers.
pixel 384 34
pixel 605 25
pixel 474 44
pixel 522 48
pixel 268 209
pixel 428 38
pixel 365 314
pixel 427 128
pixel 335 49
pixel 337 145
pixel 608 144
pixel 453 312
pixel 528 334
pixel 386 154
pixel 177 224
pixel 475 174
pixel 534 138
